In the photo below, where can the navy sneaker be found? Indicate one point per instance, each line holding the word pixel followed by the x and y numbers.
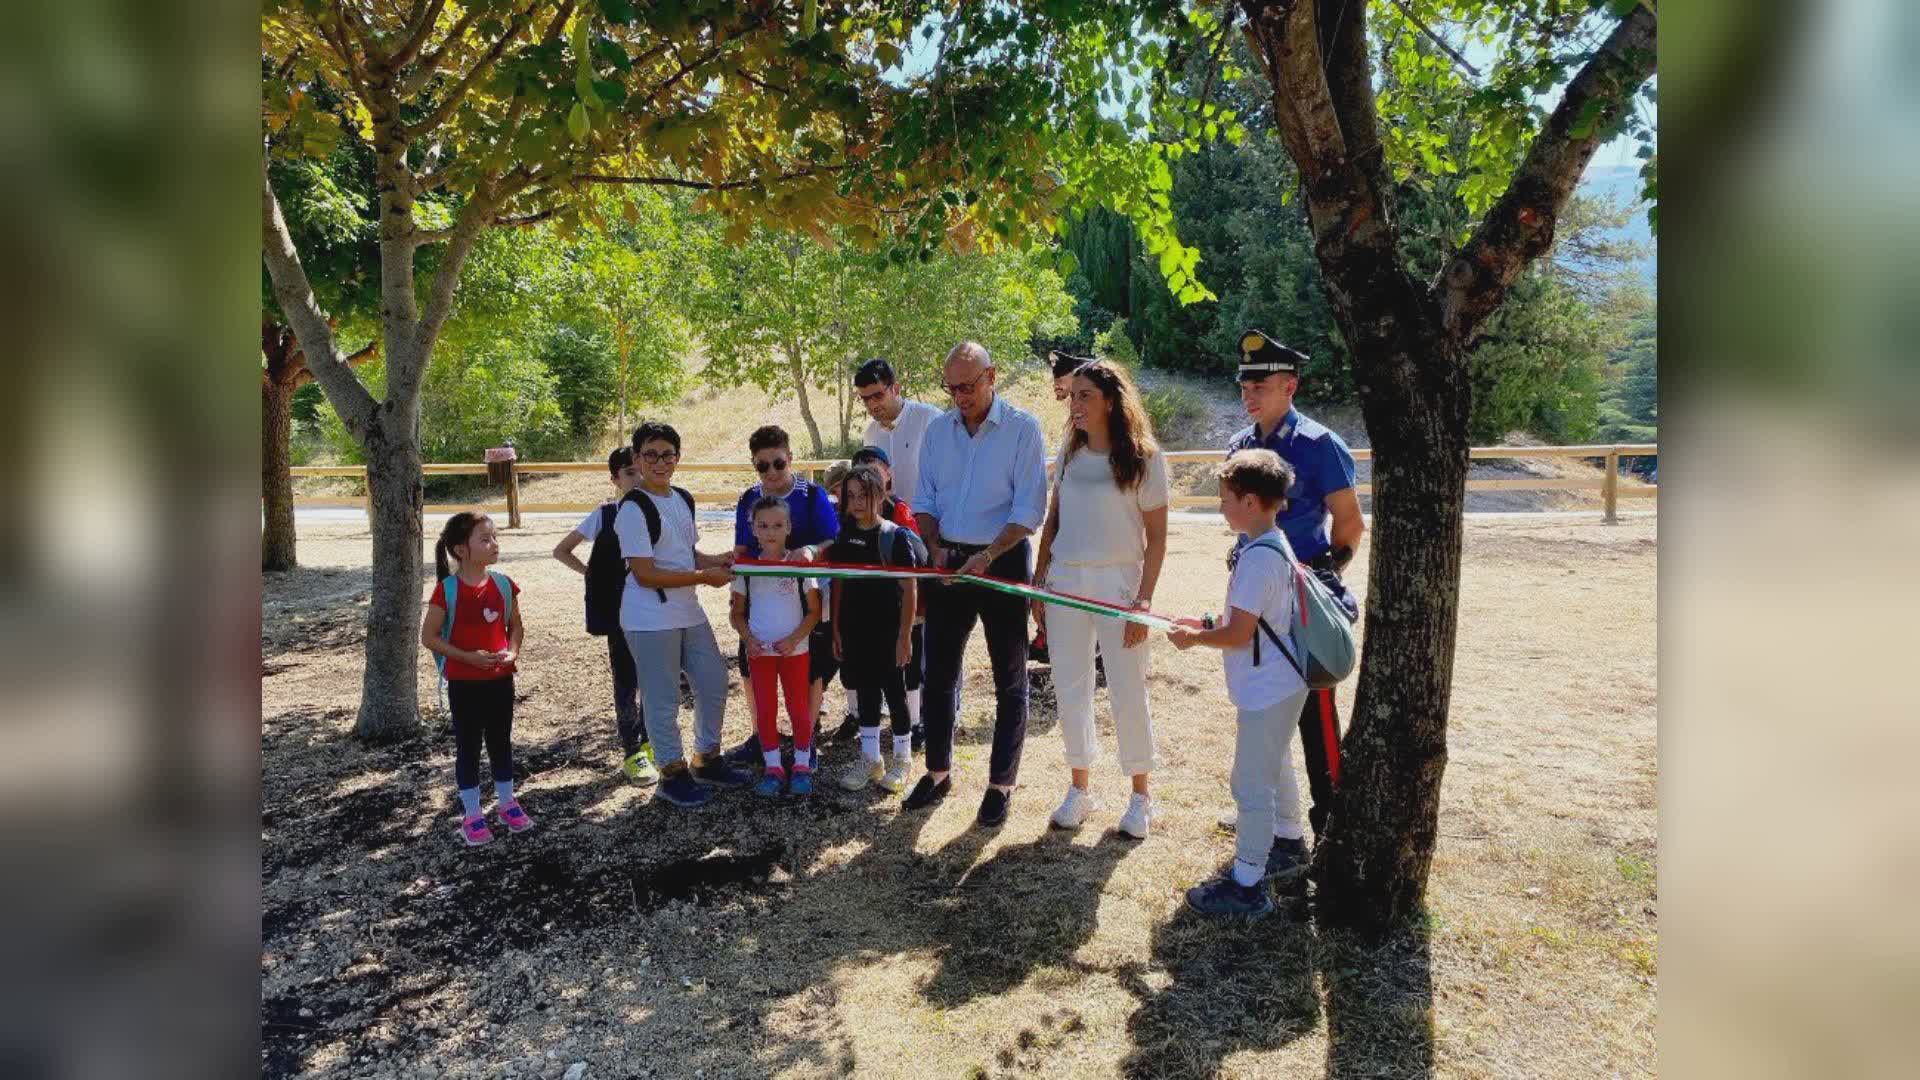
pixel 747 753
pixel 1287 862
pixel 681 789
pixel 1224 896
pixel 715 770
pixel 802 783
pixel 993 808
pixel 770 783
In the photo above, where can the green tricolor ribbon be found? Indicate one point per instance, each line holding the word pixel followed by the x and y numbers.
pixel 843 572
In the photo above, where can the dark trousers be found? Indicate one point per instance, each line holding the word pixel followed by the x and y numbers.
pixel 952 611
pixel 482 710
pixel 627 715
pixel 892 687
pixel 1320 740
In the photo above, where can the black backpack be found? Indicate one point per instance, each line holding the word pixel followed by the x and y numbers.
pixel 652 513
pixel 606 577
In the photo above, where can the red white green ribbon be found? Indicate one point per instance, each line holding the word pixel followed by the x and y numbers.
pixel 847 572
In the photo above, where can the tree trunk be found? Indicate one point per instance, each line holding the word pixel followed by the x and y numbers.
pixel 1373 867
pixel 796 364
pixel 276 457
pixel 389 705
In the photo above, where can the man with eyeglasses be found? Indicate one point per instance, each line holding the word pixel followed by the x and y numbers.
pixel 982 492
pixel 815 524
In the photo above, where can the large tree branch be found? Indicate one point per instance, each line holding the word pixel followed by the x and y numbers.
pixel 474 219
pixel 1520 226
pixel 459 92
pixel 705 185
pixel 1285 41
pixel 431 62
pixel 1342 26
pixel 417 32
pixel 294 293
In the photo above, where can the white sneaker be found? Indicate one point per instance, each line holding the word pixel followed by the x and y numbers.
pixel 895 778
pixel 1138 816
pixel 1074 809
pixel 861 773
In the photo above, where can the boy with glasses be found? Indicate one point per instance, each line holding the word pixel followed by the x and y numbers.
pixel 667 632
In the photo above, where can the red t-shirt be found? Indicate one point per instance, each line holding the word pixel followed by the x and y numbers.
pixel 903 516
pixel 479 622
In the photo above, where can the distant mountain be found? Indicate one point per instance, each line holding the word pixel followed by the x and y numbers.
pixel 1621 184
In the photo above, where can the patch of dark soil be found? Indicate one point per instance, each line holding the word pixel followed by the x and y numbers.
pixel 526 901
pixel 293 1025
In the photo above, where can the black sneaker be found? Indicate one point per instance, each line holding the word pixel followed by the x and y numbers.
pixel 716 771
pixel 927 793
pixel 747 753
pixel 1224 896
pixel 917 738
pixel 993 808
pixel 1037 651
pixel 1287 861
pixel 848 730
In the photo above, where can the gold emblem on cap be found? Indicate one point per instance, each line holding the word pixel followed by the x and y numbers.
pixel 1251 342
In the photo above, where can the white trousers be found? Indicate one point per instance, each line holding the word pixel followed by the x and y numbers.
pixel 1071 637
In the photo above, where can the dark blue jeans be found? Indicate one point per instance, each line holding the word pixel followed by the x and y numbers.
pixel 952 611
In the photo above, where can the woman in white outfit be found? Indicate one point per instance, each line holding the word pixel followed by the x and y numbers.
pixel 1105 538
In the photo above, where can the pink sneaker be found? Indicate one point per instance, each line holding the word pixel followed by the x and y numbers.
pixel 515 819
pixel 474 830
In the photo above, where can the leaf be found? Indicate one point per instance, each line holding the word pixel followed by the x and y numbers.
pixel 578 125
pixel 809 17
pixel 887 54
pixel 621 12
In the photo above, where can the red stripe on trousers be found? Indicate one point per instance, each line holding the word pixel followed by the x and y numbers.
pixel 1330 734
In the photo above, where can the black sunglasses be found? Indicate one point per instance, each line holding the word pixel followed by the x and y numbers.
pixel 770 466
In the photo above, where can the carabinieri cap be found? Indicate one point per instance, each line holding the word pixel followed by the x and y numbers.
pixel 1261 356
pixel 1066 363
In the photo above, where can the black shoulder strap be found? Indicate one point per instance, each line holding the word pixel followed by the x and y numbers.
pixel 607 514
pixel 1268 629
pixel 652 514
pixel 889 536
pixel 685 497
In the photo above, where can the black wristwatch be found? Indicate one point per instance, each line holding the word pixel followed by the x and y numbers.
pixel 1207 621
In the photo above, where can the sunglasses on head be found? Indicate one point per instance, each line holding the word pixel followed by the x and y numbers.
pixel 770 466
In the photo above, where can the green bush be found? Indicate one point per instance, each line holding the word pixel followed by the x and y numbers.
pixel 1114 344
pixel 1176 413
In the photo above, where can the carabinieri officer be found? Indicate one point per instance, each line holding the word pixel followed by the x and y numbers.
pixel 1321 520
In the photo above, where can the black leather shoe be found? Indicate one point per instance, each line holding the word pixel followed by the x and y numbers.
pixel 848 730
pixel 993 808
pixel 927 793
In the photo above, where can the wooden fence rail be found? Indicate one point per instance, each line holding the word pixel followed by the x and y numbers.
pixel 1608 483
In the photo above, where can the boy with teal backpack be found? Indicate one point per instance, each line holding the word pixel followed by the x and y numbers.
pixel 1267 590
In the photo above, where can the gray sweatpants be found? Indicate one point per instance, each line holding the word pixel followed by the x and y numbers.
pixel 658 658
pixel 1264 789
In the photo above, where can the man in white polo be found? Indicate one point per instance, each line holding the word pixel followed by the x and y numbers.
pixel 899 425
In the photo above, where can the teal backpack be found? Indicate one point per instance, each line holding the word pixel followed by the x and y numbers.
pixel 450 593
pixel 1323 633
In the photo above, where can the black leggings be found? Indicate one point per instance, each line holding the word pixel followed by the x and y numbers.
pixel 482 708
pixel 893 687
pixel 628 717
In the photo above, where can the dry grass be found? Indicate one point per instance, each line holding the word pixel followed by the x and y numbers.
pixel 843 937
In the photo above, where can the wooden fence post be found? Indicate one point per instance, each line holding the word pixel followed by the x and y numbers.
pixel 513 495
pixel 1610 487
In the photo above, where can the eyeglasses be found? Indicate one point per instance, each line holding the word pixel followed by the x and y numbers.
pixel 956 389
pixel 876 395
pixel 770 466
pixel 655 457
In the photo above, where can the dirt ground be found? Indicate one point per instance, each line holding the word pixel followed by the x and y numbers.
pixel 843 937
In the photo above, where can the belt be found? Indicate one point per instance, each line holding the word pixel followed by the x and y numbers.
pixel 970 549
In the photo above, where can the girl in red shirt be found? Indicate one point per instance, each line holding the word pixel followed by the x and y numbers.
pixel 477 653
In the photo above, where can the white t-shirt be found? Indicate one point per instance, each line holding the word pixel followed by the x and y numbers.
pixel 902 443
pixel 1101 524
pixel 778 605
pixel 589 526
pixel 640 607
pixel 1263 584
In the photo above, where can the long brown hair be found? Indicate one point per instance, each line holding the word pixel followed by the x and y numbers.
pixel 458 529
pixel 1127 423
